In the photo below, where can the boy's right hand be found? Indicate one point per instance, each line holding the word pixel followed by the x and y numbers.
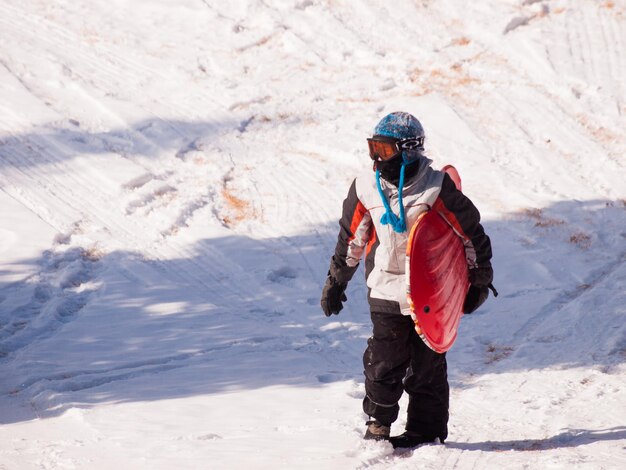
pixel 332 296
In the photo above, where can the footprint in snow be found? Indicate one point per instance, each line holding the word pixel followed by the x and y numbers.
pixel 266 313
pixel 69 307
pixel 139 181
pixel 331 377
pixel 60 294
pixel 282 275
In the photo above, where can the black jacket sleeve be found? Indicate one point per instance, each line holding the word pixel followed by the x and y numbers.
pixel 354 232
pixel 467 220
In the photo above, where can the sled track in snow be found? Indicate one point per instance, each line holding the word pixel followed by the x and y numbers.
pixel 126 231
pixel 102 58
pixel 528 329
pixel 42 171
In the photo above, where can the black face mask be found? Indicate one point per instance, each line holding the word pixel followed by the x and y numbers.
pixel 390 169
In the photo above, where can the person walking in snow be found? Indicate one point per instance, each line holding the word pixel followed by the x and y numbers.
pixel 376 214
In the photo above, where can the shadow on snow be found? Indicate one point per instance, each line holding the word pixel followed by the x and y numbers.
pixel 569 438
pixel 243 314
pixel 148 138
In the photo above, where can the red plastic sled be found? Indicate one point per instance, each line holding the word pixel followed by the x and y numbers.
pixel 437 279
pixel 454 175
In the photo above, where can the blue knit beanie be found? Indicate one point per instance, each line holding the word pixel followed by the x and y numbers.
pixel 399 125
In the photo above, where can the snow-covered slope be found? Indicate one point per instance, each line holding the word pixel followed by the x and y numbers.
pixel 171 174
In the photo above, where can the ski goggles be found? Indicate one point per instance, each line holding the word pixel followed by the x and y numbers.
pixel 385 148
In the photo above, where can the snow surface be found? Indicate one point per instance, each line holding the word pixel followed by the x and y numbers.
pixel 171 174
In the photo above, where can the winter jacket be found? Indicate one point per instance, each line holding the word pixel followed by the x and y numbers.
pixel 362 234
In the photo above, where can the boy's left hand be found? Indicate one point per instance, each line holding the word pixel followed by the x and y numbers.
pixel 475 297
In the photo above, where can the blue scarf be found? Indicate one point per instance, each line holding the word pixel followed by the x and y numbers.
pixel 397 223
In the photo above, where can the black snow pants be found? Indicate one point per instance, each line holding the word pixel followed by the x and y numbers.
pixel 396 359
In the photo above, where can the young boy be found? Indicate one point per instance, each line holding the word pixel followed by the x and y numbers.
pixel 377 215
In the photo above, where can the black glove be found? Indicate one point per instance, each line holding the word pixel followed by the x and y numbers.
pixel 480 283
pixel 475 297
pixel 332 296
pixel 481 277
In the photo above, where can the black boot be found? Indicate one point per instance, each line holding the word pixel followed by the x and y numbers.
pixel 412 439
pixel 377 431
